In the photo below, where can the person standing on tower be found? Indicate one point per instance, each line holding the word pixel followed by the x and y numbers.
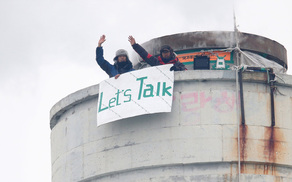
pixel 122 63
pixel 167 56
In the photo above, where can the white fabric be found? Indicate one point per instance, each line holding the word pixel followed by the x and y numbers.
pixel 135 93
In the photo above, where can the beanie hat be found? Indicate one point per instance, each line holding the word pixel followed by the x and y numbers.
pixel 121 52
pixel 166 48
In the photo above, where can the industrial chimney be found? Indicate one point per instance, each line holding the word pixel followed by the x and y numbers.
pixel 231 119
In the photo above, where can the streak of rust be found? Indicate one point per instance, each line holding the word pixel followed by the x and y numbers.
pixel 273 147
pixel 271 144
pixel 225 177
pixel 266 169
pixel 261 168
pixel 269 169
pixel 243 142
pixel 231 172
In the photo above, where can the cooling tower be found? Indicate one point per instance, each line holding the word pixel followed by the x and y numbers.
pixel 231 119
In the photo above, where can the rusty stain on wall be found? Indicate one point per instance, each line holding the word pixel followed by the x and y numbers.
pixel 259 168
pixel 243 143
pixel 243 140
pixel 273 148
pixel 269 148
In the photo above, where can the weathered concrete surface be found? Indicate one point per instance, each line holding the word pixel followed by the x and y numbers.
pixel 196 141
pixel 220 39
pixel 219 172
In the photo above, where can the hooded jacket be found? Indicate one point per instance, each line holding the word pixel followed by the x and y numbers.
pixel 153 61
pixel 112 70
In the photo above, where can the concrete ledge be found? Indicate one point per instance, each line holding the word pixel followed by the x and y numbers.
pixel 70 101
pixel 197 172
pixel 191 75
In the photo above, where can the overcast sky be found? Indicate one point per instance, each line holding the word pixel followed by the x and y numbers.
pixel 47 51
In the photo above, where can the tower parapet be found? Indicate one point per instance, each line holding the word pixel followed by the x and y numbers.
pixel 264 52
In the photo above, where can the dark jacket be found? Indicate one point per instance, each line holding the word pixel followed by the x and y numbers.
pixel 153 61
pixel 112 70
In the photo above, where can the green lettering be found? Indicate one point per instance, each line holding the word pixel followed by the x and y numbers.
pixel 112 100
pixel 158 89
pixel 141 85
pixel 127 95
pixel 100 103
pixel 150 89
pixel 165 89
pixel 118 94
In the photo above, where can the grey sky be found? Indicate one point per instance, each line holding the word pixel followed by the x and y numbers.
pixel 47 51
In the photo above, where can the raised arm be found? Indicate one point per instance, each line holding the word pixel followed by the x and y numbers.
pixel 104 64
pixel 132 40
pixel 153 61
pixel 101 40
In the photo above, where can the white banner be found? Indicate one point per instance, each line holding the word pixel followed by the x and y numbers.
pixel 135 93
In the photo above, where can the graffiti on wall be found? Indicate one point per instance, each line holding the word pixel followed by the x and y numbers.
pixel 196 105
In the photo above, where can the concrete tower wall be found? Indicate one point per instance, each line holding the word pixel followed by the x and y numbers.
pixel 197 141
